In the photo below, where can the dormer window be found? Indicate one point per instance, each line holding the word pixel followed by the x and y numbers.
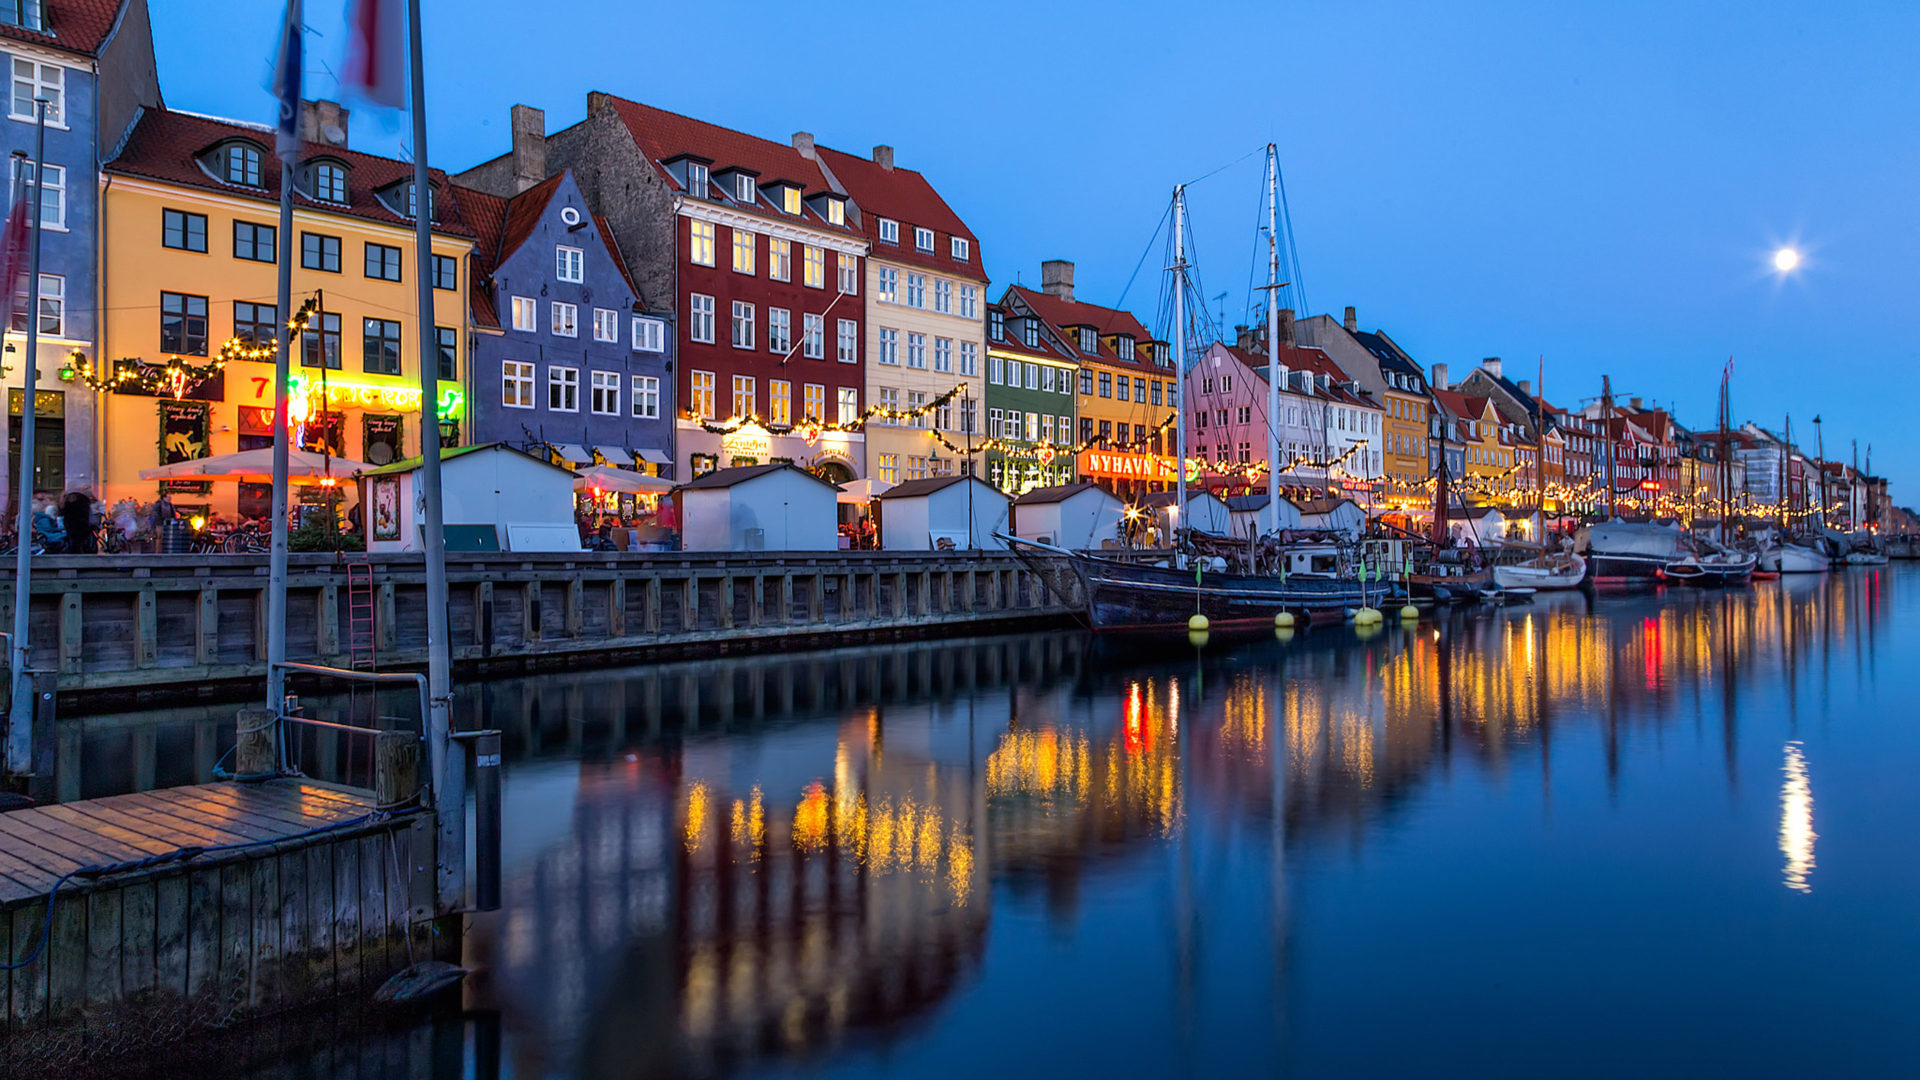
pixel 1124 346
pixel 240 164
pixel 923 240
pixel 328 182
pixel 26 14
pixel 790 200
pixel 696 180
pixel 836 212
pixel 1089 340
pixel 889 231
pixel 1030 333
pixel 997 325
pixel 962 248
pixel 743 189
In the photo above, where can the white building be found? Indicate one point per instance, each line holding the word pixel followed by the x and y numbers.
pixel 758 508
pixel 493 498
pixel 1204 511
pixel 961 512
pixel 1074 516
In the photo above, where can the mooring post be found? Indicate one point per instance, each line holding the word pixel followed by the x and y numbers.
pixel 486 828
pixel 396 770
pixel 254 752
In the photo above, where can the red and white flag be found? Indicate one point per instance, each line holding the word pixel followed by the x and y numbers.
pixel 377 57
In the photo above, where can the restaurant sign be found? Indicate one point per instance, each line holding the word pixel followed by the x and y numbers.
pixel 1106 463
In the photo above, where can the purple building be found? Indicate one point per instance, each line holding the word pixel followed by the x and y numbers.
pixel 565 360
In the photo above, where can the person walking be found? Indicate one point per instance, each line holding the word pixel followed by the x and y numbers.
pixel 76 514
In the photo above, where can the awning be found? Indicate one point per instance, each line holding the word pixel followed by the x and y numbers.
pixel 605 478
pixel 575 454
pixel 654 457
pixel 614 455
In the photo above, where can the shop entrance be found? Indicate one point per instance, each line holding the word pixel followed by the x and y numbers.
pixel 49 443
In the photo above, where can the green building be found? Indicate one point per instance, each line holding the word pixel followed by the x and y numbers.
pixel 1029 404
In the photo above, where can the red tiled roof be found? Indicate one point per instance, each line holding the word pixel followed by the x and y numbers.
pixel 1461 405
pixel 523 214
pixel 905 196
pixel 78 26
pixel 488 214
pixel 662 135
pixel 1048 347
pixel 503 225
pixel 1309 359
pixel 1061 314
pixel 165 145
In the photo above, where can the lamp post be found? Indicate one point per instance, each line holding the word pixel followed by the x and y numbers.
pixel 20 722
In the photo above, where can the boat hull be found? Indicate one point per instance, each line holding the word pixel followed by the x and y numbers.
pixel 1539 577
pixel 1866 558
pixel 1626 567
pixel 1126 597
pixel 1792 560
pixel 1711 572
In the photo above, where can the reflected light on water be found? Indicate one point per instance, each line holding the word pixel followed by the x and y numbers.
pixel 1796 821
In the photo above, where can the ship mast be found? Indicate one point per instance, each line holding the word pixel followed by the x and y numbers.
pixel 1180 347
pixel 1273 337
pixel 1606 434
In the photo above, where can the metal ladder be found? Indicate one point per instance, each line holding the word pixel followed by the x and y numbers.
pixel 363 653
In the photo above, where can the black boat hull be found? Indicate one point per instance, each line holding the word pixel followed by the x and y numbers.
pixel 1127 597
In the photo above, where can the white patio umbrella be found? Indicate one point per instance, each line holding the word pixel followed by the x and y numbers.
pixel 256 466
pixel 860 492
pixel 607 478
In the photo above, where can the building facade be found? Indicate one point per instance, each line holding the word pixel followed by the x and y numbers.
pixel 1030 401
pixel 565 360
pixel 925 328
pixel 1389 376
pixel 190 247
pixel 93 64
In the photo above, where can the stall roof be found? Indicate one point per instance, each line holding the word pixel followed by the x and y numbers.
pixel 920 487
pixel 1058 493
pixel 722 478
pixel 409 464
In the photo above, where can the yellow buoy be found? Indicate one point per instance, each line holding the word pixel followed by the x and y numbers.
pixel 1366 631
pixel 1283 633
pixel 1410 612
pixel 1367 616
pixel 1198 622
pixel 1284 619
pixel 1198 638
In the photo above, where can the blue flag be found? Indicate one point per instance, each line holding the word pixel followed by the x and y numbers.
pixel 286 84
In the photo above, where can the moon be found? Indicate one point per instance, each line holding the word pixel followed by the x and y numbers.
pixel 1786 259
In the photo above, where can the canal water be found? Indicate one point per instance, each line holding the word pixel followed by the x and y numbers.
pixel 1671 832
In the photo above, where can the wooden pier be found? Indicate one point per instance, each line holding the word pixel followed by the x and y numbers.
pixel 140 626
pixel 231 900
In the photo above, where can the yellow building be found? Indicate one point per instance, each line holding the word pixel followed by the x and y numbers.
pixel 1489 460
pixel 189 224
pixel 1128 390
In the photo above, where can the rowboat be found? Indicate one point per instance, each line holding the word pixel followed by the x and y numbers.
pixel 1712 568
pixel 1792 559
pixel 1560 570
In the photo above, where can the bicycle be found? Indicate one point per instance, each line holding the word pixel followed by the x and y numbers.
pixel 247 539
pixel 109 540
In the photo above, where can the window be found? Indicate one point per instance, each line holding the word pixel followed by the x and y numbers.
pixel 1125 346
pixel 254 324
pixel 813 402
pixel 1123 392
pixel 1030 333
pixel 836 212
pixel 1106 431
pixel 1086 429
pixel 889 231
pixel 779 330
pixel 646 397
pixel 1086 381
pixel 888 289
pixel 569 264
pixel 700 320
pixel 917 351
pixel 962 248
pixel 742 325
pixel 943 416
pixel 241 165
pixel 790 200
pixel 649 335
pixel 702 403
pixel 970 358
pixel 916 467
pixel 849 342
pixel 849 399
pixel 526 314
pixel 1046 427
pixel 943 296
pixel 606 324
pixel 994 422
pixel 996 370
pixel 780 258
pixel 1033 427
pixel 779 402
pixel 1246 414
pixel 319 252
pixel 383 262
pixel 1106 384
pixel 889 346
pixel 890 468
pixel 701 246
pixel 33 80
pixel 1140 390
pixel 916 290
pixel 516 384
pixel 813 337
pixel 969 302
pixel 744 248
pixel 320 343
pixel 1089 340
pixel 942 354
pixel 380 346
pixel 563 388
pixel 183 324
pixel 1033 376
pixel 1046 379
pixel 743 396
pixel 996 323
pixel 329 183
pixel 444 269
pixel 1156 388
pixel 970 416
pixel 183 231
pixel 923 239
pixel 746 190
pixel 446 348
pixel 566 319
pixel 254 243
pixel 603 396
pixel 53 306
pixel 849 266
pixel 813 266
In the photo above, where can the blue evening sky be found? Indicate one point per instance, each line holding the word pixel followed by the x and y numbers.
pixel 1599 184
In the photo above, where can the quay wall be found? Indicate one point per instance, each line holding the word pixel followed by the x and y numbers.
pixel 118 630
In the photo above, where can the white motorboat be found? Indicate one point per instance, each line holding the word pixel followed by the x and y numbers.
pixel 1866 558
pixel 1792 559
pixel 1560 570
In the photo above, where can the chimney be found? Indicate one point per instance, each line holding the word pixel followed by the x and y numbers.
pixel 323 122
pixel 1246 338
pixel 1056 278
pixel 529 147
pixel 883 157
pixel 1526 386
pixel 598 101
pixel 1634 404
pixel 1439 380
pixel 803 142
pixel 1286 327
pixel 1353 321
pixel 1491 365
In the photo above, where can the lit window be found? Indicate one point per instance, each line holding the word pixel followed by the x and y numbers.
pixel 526 314
pixel 743 251
pixel 849 405
pixel 743 396
pixel 604 398
pixel 813 265
pixel 606 324
pixel 566 319
pixel 569 264
pixel 813 402
pixel 790 200
pixel 836 212
pixel 779 402
pixel 516 384
pixel 702 396
pixel 701 248
pixel 780 258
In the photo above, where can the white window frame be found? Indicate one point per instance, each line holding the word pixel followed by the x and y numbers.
pixel 700 242
pixel 917 350
pixel 813 266
pixel 779 330
pixel 603 394
pixel 569 264
pixel 847 345
pixel 943 296
pixel 746 389
pixel 703 394
pixel 922 239
pixel 57 185
pixel 54 89
pixel 889 230
pixel 970 358
pixel 779 258
pixel 848 267
pixel 813 336
pixel 943 354
pixel 848 404
pixel 813 401
pixel 566 380
pixel 741 324
pixel 566 319
pixel 746 190
pixel 606 324
pixel 526 314
pixel 700 318
pixel 780 402
pixel 516 381
pixel 887 288
pixel 746 251
pixel 969 302
pixel 698 179
pixel 961 247
pixel 917 290
pixel 53 298
pixel 646 397
pixel 649 335
pixel 889 347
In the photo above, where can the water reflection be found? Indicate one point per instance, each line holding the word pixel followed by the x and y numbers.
pixel 1796 821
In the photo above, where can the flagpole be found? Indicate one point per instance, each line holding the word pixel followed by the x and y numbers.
pixel 20 722
pixel 449 772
